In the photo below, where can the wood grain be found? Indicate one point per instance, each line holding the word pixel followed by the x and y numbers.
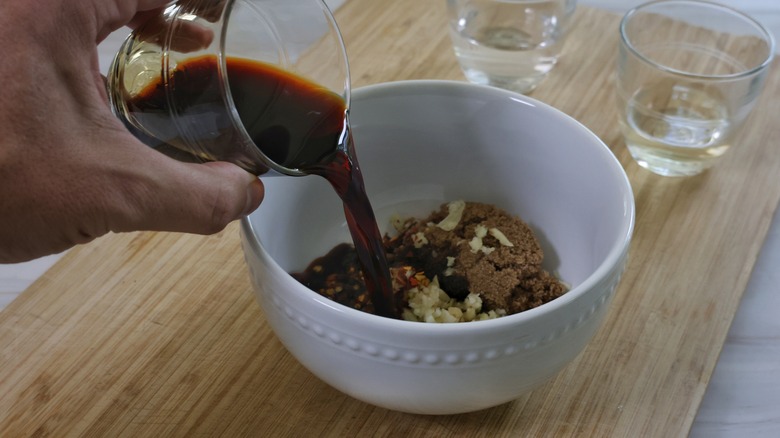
pixel 158 334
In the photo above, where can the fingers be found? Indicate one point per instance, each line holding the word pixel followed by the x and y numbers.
pixel 189 36
pixel 111 15
pixel 186 197
pixel 145 5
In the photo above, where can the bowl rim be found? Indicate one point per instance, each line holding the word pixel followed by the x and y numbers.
pixel 618 250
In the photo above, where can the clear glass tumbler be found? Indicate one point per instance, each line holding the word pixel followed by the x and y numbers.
pixel 688 74
pixel 511 44
pixel 260 83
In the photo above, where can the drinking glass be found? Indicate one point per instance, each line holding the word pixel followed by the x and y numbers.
pixel 688 74
pixel 194 116
pixel 511 44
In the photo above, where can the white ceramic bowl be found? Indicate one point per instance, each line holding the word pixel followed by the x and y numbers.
pixel 420 144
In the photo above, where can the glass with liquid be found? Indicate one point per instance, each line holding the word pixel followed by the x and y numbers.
pixel 263 84
pixel 688 75
pixel 511 44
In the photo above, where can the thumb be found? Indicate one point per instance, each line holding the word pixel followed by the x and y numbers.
pixel 191 198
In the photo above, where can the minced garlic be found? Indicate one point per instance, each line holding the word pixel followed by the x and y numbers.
pixel 495 232
pixel 429 303
pixel 454 214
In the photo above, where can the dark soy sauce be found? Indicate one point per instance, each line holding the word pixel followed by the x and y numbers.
pixel 345 176
pixel 295 122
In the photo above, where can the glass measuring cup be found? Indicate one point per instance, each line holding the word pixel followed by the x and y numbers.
pixel 263 84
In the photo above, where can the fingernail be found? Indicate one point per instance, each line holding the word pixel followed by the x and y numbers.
pixel 254 196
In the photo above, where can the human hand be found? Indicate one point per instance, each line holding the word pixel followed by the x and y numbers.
pixel 69 170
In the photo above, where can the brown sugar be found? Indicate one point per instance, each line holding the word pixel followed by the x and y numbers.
pixel 489 252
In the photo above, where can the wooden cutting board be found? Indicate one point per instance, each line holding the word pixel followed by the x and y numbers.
pixel 158 334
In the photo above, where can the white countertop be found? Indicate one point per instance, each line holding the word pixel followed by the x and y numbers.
pixel 743 398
